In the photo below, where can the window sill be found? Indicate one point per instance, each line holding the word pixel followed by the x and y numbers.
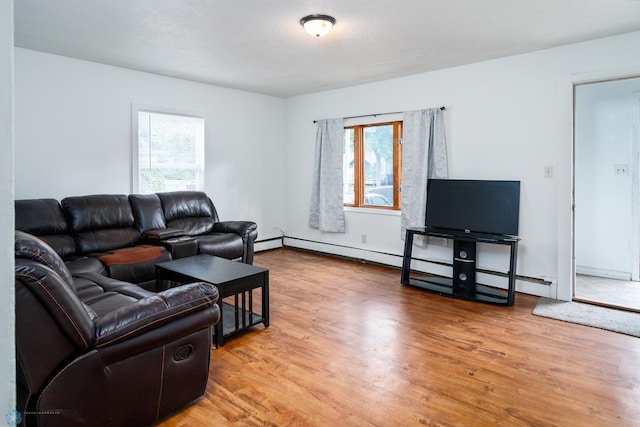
pixel 387 212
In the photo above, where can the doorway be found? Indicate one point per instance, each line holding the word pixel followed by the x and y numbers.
pixel 606 193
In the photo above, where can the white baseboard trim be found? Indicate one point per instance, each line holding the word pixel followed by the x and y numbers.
pixel 601 272
pixel 538 287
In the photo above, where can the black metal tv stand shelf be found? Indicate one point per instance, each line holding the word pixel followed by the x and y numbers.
pixel 463 283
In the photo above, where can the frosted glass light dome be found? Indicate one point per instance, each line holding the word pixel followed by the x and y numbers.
pixel 318 25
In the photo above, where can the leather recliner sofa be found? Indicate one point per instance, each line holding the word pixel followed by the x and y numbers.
pixel 95 351
pixel 194 213
pixel 123 237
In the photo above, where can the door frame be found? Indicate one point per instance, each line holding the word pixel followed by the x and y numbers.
pixel 635 189
pixel 635 168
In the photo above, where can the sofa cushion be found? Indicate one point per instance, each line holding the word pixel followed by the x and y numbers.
pixel 40 216
pixel 107 301
pixel 147 212
pixel 45 219
pixel 84 264
pixel 193 226
pixel 180 204
pixel 90 285
pixel 101 223
pixel 136 264
pixel 225 245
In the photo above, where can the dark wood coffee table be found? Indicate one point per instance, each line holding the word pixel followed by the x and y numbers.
pixel 233 279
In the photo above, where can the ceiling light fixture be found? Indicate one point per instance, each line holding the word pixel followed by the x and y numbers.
pixel 318 25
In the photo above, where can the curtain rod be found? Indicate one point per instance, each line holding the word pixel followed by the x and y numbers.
pixel 375 115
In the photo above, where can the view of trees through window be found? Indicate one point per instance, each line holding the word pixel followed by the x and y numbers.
pixel 371 165
pixel 170 152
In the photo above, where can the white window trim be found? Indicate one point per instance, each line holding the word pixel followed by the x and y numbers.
pixel 137 107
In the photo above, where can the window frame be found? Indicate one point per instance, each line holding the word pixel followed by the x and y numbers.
pixel 358 167
pixel 137 108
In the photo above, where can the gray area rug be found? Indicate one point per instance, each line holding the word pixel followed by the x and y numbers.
pixel 625 322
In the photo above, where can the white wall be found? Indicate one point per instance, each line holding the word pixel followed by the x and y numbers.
pixel 7 321
pixel 73 135
pixel 505 119
pixel 604 135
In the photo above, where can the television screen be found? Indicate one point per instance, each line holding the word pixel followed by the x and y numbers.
pixel 473 206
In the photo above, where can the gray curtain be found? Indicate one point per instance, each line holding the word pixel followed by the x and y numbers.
pixel 326 212
pixel 424 155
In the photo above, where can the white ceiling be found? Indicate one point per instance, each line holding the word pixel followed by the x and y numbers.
pixel 260 46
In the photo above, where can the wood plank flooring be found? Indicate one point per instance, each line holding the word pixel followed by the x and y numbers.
pixel 349 346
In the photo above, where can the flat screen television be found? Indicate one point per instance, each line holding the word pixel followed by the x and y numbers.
pixel 473 206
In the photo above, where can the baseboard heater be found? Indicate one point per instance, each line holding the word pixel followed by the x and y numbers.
pixel 399 257
pixel 272 239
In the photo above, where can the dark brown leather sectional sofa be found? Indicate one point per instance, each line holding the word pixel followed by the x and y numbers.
pixel 124 236
pixel 96 343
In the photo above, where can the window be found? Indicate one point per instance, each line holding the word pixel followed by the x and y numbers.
pixel 371 165
pixel 168 152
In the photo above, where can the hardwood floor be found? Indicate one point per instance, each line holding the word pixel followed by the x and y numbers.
pixel 349 346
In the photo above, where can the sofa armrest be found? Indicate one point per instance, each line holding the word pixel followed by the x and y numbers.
pixel 152 312
pixel 245 229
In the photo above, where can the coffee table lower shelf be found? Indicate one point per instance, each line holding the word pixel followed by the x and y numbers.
pixel 236 321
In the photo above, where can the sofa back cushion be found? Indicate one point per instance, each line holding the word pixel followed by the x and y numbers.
pixel 44 274
pixel 47 330
pixel 147 211
pixel 102 222
pixel 59 298
pixel 191 211
pixel 45 219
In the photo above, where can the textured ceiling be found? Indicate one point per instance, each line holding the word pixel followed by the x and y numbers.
pixel 259 45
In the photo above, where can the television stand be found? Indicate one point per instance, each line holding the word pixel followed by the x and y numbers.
pixel 463 283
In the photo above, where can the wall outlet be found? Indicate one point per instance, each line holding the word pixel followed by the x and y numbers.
pixel 363 238
pixel 620 170
pixel 548 171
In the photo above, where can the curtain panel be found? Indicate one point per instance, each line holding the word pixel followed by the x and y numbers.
pixel 424 156
pixel 326 211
